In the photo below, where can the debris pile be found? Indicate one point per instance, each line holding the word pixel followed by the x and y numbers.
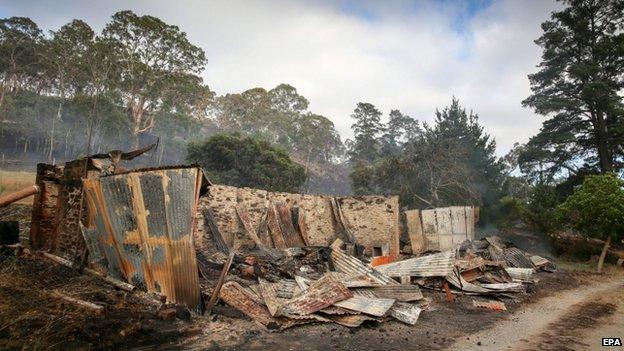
pixel 328 285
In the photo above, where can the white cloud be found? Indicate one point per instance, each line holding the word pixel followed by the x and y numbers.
pixel 413 57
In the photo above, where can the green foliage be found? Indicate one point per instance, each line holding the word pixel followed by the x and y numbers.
pixel 596 208
pixel 540 214
pixel 451 162
pixel 156 61
pixel 578 87
pixel 366 132
pixel 245 161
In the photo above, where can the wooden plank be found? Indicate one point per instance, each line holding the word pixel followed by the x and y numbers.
pixel 415 231
pixel 215 293
pixel 95 308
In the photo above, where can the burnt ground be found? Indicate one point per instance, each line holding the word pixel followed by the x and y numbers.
pixel 32 318
pixel 437 328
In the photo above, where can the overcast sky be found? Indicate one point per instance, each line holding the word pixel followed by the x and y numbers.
pixel 407 55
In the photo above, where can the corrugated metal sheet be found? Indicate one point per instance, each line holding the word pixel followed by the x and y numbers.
pixel 436 265
pixel 287 288
pixel 370 305
pixel 520 274
pixel 322 293
pixel 241 299
pixel 350 265
pixel 405 312
pixel 403 293
pixel 516 258
pixel 464 285
pixel 144 221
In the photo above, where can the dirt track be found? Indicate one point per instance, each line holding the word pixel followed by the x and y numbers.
pixel 570 320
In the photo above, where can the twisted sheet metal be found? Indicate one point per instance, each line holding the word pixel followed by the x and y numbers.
pixel 144 225
pixel 322 293
pixel 436 265
pixel 350 265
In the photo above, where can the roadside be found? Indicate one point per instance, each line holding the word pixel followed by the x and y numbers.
pixel 569 320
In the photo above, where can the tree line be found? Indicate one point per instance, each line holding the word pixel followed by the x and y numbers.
pixel 72 91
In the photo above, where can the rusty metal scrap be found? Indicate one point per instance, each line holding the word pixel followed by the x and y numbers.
pixel 241 299
pixel 322 293
pixel 287 288
pixel 490 305
pixel 274 228
pixel 291 236
pixel 370 305
pixel 436 265
pixel 144 222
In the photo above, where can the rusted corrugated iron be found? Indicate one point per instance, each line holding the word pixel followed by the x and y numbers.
pixel 145 222
pixel 274 228
pixel 350 265
pixel 516 258
pixel 287 288
pixel 370 305
pixel 238 297
pixel 436 265
pixel 291 236
pixel 322 293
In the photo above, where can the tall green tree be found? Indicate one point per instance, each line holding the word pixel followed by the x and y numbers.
pixel 154 59
pixel 239 160
pixel 64 59
pixel 20 45
pixel 399 129
pixel 366 132
pixel 578 87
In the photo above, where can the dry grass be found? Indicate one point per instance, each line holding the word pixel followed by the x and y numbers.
pixel 11 181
